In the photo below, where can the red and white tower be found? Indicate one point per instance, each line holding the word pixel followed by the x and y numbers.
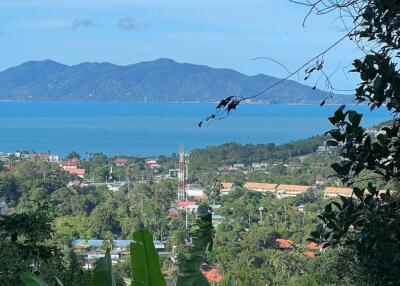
pixel 182 174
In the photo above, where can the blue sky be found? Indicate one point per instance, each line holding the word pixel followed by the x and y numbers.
pixel 218 33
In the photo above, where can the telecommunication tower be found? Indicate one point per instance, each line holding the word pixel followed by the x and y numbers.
pixel 182 174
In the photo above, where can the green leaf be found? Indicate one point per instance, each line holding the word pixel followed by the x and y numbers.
pixel 146 269
pixel 103 272
pixel 359 193
pixel 59 283
pixel 355 118
pixel 30 279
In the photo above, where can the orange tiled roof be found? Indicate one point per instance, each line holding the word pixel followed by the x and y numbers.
pixel 260 186
pixel 226 185
pixel 341 191
pixel 295 188
pixel 315 246
pixel 212 274
pixel 284 243
pixel 309 254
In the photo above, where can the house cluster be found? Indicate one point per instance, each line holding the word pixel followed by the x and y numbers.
pixel 283 190
pixel 71 166
pixel 310 250
pixel 7 157
pixel 93 249
pixel 280 190
pixel 232 167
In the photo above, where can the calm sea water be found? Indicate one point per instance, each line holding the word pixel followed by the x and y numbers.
pixel 154 129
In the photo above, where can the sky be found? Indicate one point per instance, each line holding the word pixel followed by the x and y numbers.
pixel 217 33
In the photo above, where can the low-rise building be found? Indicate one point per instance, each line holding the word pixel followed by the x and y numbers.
pixel 152 163
pixel 284 191
pixel 284 244
pixel 260 187
pixel 115 186
pixel 217 219
pixel 227 188
pixel 173 173
pixel 211 273
pixel 238 166
pixel 195 190
pixel 187 205
pixel 333 192
pixel 3 206
pixel 77 171
pixel 121 162
pixel 69 165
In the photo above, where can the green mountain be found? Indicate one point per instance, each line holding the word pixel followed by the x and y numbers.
pixel 162 80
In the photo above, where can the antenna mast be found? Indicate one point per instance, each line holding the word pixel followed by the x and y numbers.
pixel 182 174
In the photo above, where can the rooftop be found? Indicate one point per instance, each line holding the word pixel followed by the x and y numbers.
pixel 263 186
pixel 296 188
pixel 334 190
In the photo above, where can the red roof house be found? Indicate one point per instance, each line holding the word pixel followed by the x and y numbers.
pixel 71 164
pixel 41 156
pixel 121 161
pixel 185 203
pixel 284 243
pixel 78 172
pixel 211 273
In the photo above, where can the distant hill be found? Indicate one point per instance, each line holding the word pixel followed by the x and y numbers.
pixel 162 80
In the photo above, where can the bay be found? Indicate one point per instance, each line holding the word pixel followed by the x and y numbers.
pixel 155 129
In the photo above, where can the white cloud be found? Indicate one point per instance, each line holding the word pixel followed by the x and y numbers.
pixel 81 22
pixel 128 24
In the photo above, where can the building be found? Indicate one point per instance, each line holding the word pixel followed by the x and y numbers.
pixel 152 163
pixel 238 166
pixel 326 149
pixel 121 162
pixel 3 206
pixel 69 165
pixel 226 188
pixel 187 205
pixel 211 273
pixel 280 190
pixel 284 191
pixel 195 191
pixel 226 167
pixel 77 171
pixel 173 173
pixel 217 219
pixel 334 192
pixel 115 186
pixel 284 244
pixel 92 249
pixel 260 187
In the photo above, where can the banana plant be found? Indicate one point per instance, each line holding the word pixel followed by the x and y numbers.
pixel 145 263
pixel 103 274
pixel 30 279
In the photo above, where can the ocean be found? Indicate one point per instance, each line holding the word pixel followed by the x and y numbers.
pixel 155 129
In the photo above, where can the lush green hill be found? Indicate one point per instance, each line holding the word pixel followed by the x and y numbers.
pixel 162 80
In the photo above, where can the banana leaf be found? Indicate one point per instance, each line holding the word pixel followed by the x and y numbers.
pixel 145 263
pixel 103 273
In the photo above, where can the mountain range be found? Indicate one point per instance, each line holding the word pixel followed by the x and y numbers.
pixel 161 80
